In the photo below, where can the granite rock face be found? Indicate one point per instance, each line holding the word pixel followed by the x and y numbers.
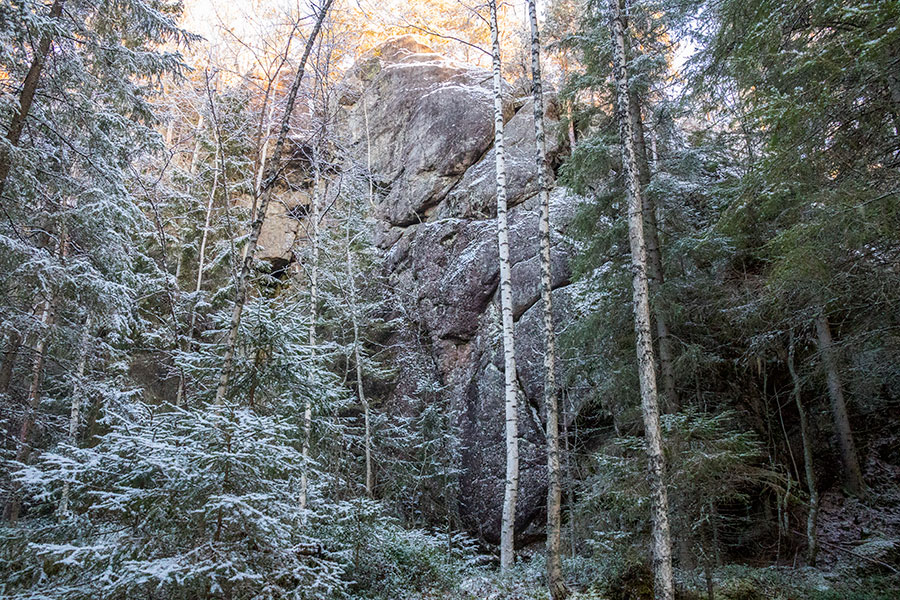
pixel 420 121
pixel 424 125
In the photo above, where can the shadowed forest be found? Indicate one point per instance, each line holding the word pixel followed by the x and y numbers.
pixel 323 299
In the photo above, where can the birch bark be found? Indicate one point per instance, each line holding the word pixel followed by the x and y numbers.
pixel 357 357
pixel 77 400
pixel 555 579
pixel 655 272
pixel 662 545
pixel 201 263
pixel 511 488
pixel 313 318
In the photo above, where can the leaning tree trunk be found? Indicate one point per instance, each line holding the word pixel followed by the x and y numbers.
pixel 273 172
pixel 26 96
pixel 511 489
pixel 853 478
pixel 812 541
pixel 662 545
pixel 555 580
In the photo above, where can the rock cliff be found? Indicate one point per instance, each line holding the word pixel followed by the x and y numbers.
pixel 422 125
pixel 425 125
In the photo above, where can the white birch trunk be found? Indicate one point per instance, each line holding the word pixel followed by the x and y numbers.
pixel 369 158
pixel 192 168
pixel 201 263
pixel 511 489
pixel 77 398
pixel 662 545
pixel 170 131
pixel 263 155
pixel 555 580
pixel 370 474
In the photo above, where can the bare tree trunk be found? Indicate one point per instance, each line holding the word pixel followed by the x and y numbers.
pixel 9 360
pixel 369 158
pixel 812 540
pixel 201 260
pixel 77 398
pixel 571 127
pixel 26 96
pixel 170 132
pixel 511 490
pixel 570 494
pixel 662 545
pixel 273 170
pixel 263 154
pixel 555 581
pixel 357 357
pixel 655 271
pixel 48 314
pixel 195 154
pixel 201 263
pixel 313 318
pixel 853 478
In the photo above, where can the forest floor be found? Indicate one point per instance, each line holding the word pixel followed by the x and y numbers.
pixel 733 582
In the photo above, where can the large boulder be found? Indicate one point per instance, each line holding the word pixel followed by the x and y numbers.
pixel 424 125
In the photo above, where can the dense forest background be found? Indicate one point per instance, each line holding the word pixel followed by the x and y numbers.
pixel 258 299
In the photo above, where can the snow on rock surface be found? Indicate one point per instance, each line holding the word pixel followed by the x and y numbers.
pixel 425 125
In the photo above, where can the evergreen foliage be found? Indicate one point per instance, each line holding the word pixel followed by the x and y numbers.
pixel 131 174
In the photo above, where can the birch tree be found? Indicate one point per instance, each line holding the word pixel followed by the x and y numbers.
pixel 662 546
pixel 357 358
pixel 555 580
pixel 655 271
pixel 511 489
pixel 76 404
pixel 273 172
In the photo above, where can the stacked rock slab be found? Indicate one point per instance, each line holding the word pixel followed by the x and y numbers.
pixel 425 124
